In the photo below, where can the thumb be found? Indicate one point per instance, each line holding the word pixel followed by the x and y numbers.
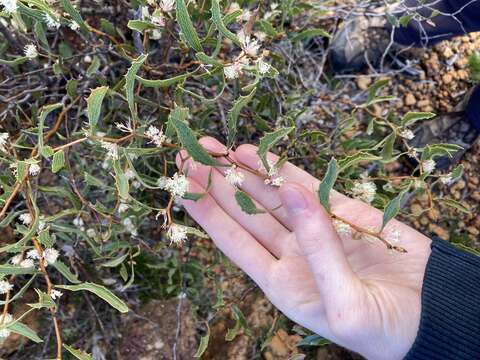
pixel 320 245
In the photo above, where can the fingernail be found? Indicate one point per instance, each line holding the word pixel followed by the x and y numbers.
pixel 293 199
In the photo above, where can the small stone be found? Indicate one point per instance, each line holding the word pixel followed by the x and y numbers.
pixel 439 231
pixel 423 103
pixel 433 214
pixel 363 82
pixel 447 53
pixel 447 79
pixel 473 230
pixel 410 99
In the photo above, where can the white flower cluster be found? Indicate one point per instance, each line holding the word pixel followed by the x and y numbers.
pixel 4 320
pixel 177 185
pixel 130 226
pixel 446 179
pixel 51 22
pixel 55 294
pixel 78 222
pixel 407 134
pixel 5 287
pixel 428 165
pixel 364 191
pixel 49 256
pixel 112 149
pixel 18 260
pixel 3 141
pixel 155 135
pixel 34 169
pixel 342 228
pixel 25 218
pixel 250 49
pixel 177 234
pixel 30 51
pixel 234 177
pixel 9 6
pixel 272 173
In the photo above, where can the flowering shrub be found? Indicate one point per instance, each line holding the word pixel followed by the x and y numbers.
pixel 98 109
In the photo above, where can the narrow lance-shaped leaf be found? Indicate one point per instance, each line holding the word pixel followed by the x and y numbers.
pixel 203 344
pixel 121 181
pixel 101 291
pixel 387 151
pixel 58 161
pixel 94 105
pixel 65 271
pixel 233 115
pixel 188 139
pixel 327 184
pixel 270 140
pixel 222 29
pixel 246 203
pixel 24 330
pixel 186 26
pixel 310 33
pixel 392 208
pixel 130 83
pixel 80 355
pixel 160 83
pixel 41 121
pixel 411 118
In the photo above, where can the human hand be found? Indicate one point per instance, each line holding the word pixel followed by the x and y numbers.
pixel 353 292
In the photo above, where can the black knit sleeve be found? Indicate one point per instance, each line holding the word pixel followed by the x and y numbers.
pixel 450 318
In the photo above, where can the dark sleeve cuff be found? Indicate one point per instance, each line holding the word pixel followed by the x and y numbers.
pixel 450 318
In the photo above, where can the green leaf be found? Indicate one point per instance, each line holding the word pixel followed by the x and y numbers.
pixel 240 323
pixel 58 161
pixel 186 26
pixel 456 205
pixel 188 139
pixel 14 62
pixel 387 151
pixel 393 208
pixel 47 109
pixel 373 93
pixel 218 22
pixel 65 271
pixel 457 172
pixel 94 66
pixel 140 25
pixel 233 114
pixel 205 59
pixel 268 141
pixel 411 118
pixel 115 262
pixel 121 181
pixel 246 203
pixel 160 83
pixel 349 161
pixel 327 184
pixel 203 344
pixel 70 10
pixel 310 33
pixel 313 340
pixel 80 355
pixel 99 290
pixel 24 330
pixel 94 105
pixel 130 83
pixel 16 270
pixel 434 150
pixel 71 88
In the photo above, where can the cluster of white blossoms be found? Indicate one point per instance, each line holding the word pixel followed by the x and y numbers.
pixel 234 177
pixel 428 165
pixel 9 6
pixel 273 178
pixel 364 191
pixel 55 294
pixel 112 149
pixel 51 22
pixel 130 226
pixel 342 229
pixel 78 222
pixel 5 286
pixel 25 218
pixel 4 320
pixel 30 51
pixel 177 234
pixel 446 179
pixel 155 135
pixel 49 256
pixel 407 134
pixel 177 185
pixel 18 260
pixel 3 141
pixel 34 169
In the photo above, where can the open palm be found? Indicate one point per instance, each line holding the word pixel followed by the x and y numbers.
pixel 353 292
